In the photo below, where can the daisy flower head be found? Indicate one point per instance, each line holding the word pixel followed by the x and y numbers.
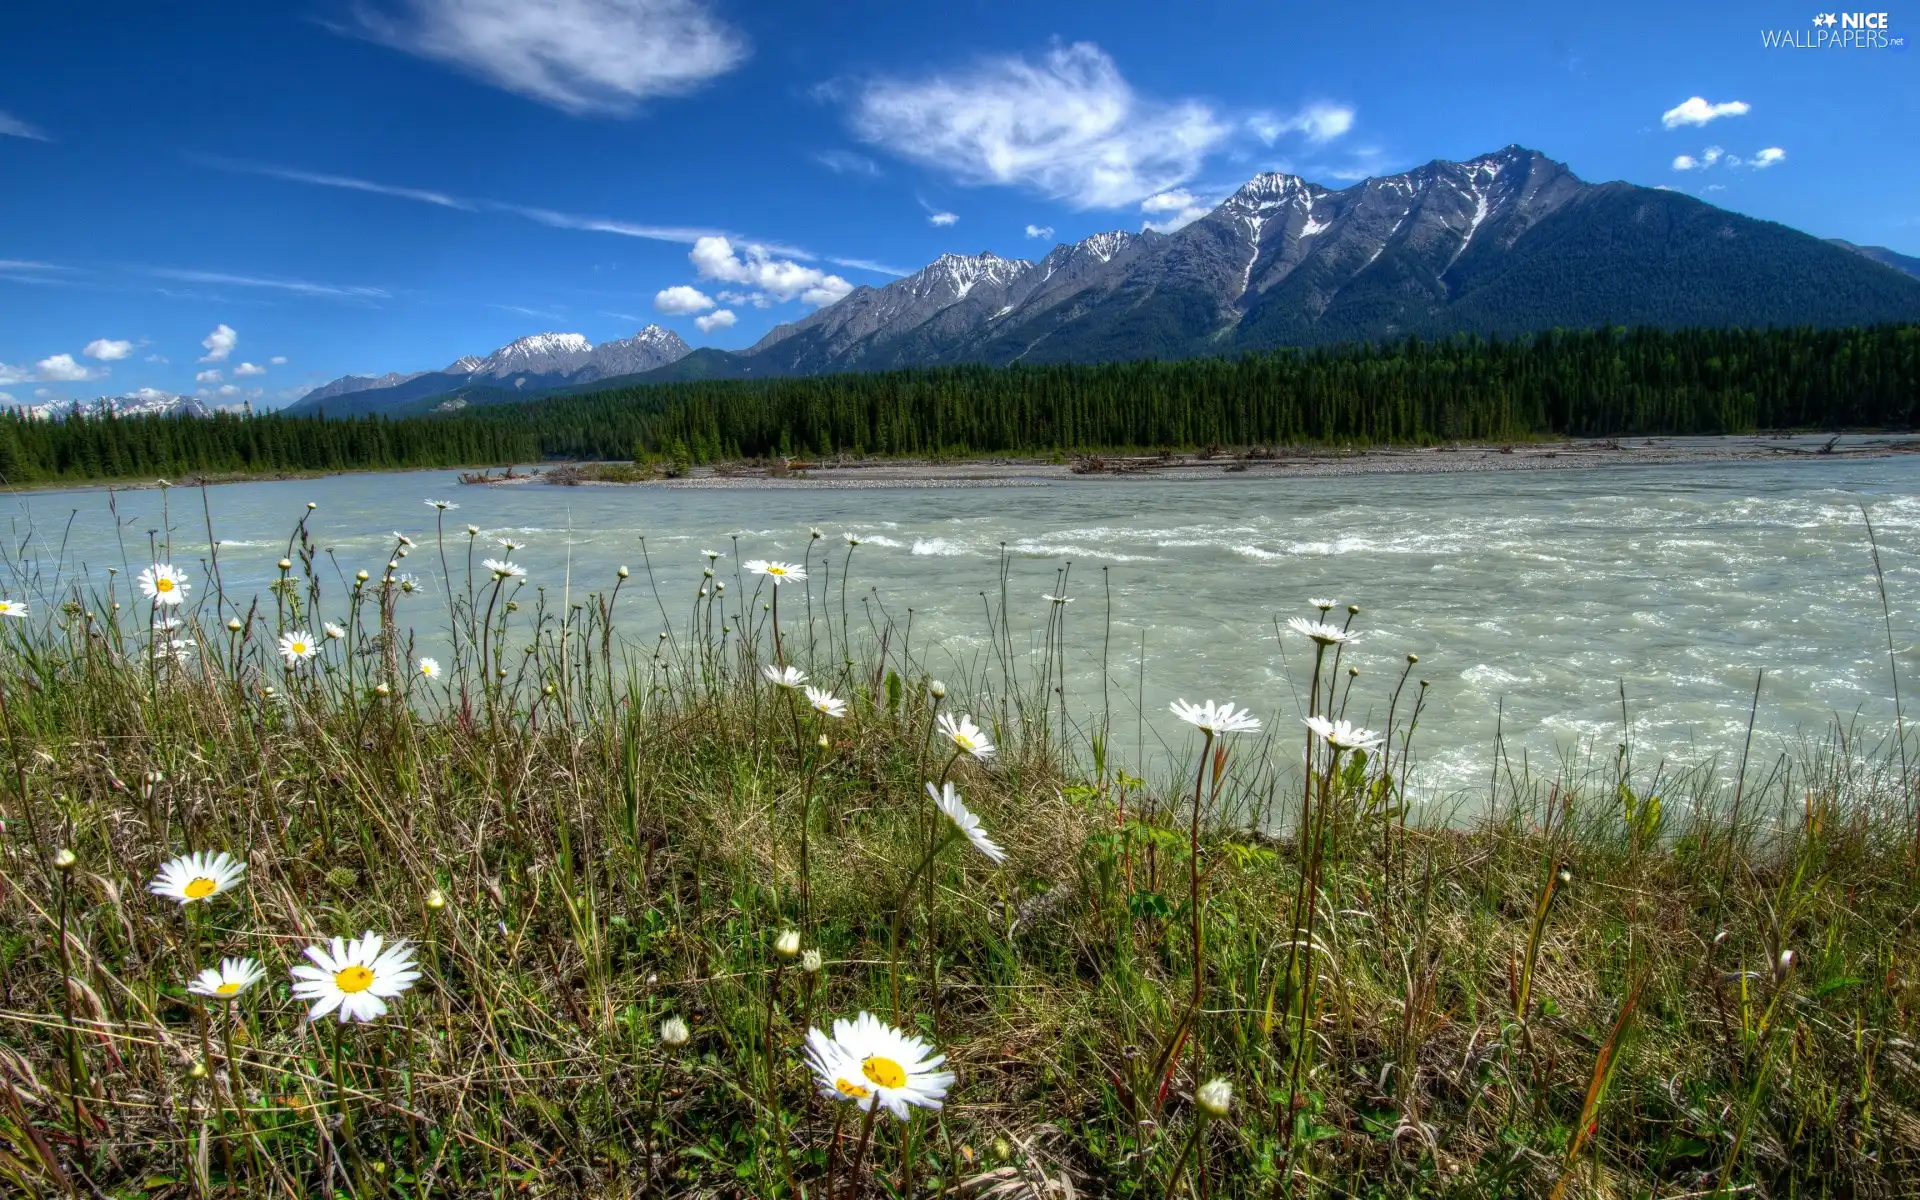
pixel 779 572
pixel 403 539
pixel 509 545
pixel 966 735
pixel 1322 605
pixel 234 975
pixel 503 569
pixel 166 624
pixel 786 677
pixel 948 801
pixel 429 668
pixel 199 876
pixel 12 608
pixel 354 979
pixel 1057 599
pixel 872 1064
pixel 1216 718
pixel 826 703
pixel 1321 632
pixel 163 583
pixel 852 540
pixel 442 505
pixel 296 647
pixel 1343 735
pixel 712 555
pixel 333 631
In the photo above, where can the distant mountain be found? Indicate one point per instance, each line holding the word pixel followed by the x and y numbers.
pixel 1884 256
pixel 146 402
pixel 526 366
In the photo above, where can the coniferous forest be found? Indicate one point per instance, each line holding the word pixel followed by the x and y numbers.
pixel 1596 383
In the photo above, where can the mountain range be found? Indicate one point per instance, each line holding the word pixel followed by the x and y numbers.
pixel 523 367
pixel 1506 243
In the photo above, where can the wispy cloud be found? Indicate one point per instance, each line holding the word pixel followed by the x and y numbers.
pixel 1068 126
pixel 1695 110
pixel 12 126
pixel 302 287
pixel 538 314
pixel 846 162
pixel 867 264
pixel 580 56
pixel 685 235
pixel 348 182
pixel 940 220
pixel 1174 209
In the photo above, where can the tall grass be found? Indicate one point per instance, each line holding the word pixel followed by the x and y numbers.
pixel 596 821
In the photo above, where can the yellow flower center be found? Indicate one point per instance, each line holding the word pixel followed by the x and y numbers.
pixel 227 989
pixel 884 1071
pixel 163 584
pixel 299 647
pixel 201 888
pixel 776 570
pixel 852 1090
pixel 353 979
pixel 963 741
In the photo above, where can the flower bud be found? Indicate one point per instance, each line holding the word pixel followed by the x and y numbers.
pixel 674 1032
pixel 381 689
pixel 473 531
pixel 436 899
pixel 824 743
pixel 810 962
pixel 1215 1096
pixel 937 690
pixel 311 506
pixel 65 859
pixel 197 1071
pixel 234 625
pixel 1353 609
pixel 1782 967
pixel 1412 659
pixel 286 564
pixel 787 944
pixel 623 572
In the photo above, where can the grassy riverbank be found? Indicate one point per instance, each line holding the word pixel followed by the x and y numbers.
pixel 1626 983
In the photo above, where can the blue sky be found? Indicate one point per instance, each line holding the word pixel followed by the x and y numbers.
pixel 247 199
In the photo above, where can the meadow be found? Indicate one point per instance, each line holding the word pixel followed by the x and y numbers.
pixel 609 892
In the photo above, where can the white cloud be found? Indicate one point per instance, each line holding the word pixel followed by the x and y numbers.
pixel 1321 122
pixel 1039 231
pixel 1695 110
pixel 781 279
pixel 278 360
pixel 6 397
pixel 12 126
pixel 107 350
pixel 60 368
pixel 149 393
pixel 1177 209
pixel 942 219
pixel 158 358
pixel 208 376
pixel 721 318
pixel 581 56
pixel 14 374
pixel 1685 162
pixel 846 162
pixel 1768 157
pixel 679 300
pixel 303 287
pixel 219 343
pixel 247 368
pixel 1068 126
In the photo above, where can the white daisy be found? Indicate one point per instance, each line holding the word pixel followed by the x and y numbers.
pixel 234 976
pixel 1322 605
pixel 779 572
pixel 356 978
pixel 1321 632
pixel 851 539
pixel 12 608
pixel 949 802
pixel 166 624
pixel 502 569
pixel 199 876
pixel 825 702
pixel 296 647
pixel 177 649
pixel 966 735
pixel 442 505
pixel 711 554
pixel 428 667
pixel 509 545
pixel 870 1063
pixel 333 631
pixel 403 539
pixel 1343 735
pixel 786 677
pixel 1058 599
pixel 1216 718
pixel 164 583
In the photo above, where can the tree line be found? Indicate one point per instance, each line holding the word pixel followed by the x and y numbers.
pixel 1591 383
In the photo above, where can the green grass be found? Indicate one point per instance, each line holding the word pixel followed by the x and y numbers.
pixel 1574 985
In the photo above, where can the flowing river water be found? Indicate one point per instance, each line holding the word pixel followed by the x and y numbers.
pixel 1533 598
